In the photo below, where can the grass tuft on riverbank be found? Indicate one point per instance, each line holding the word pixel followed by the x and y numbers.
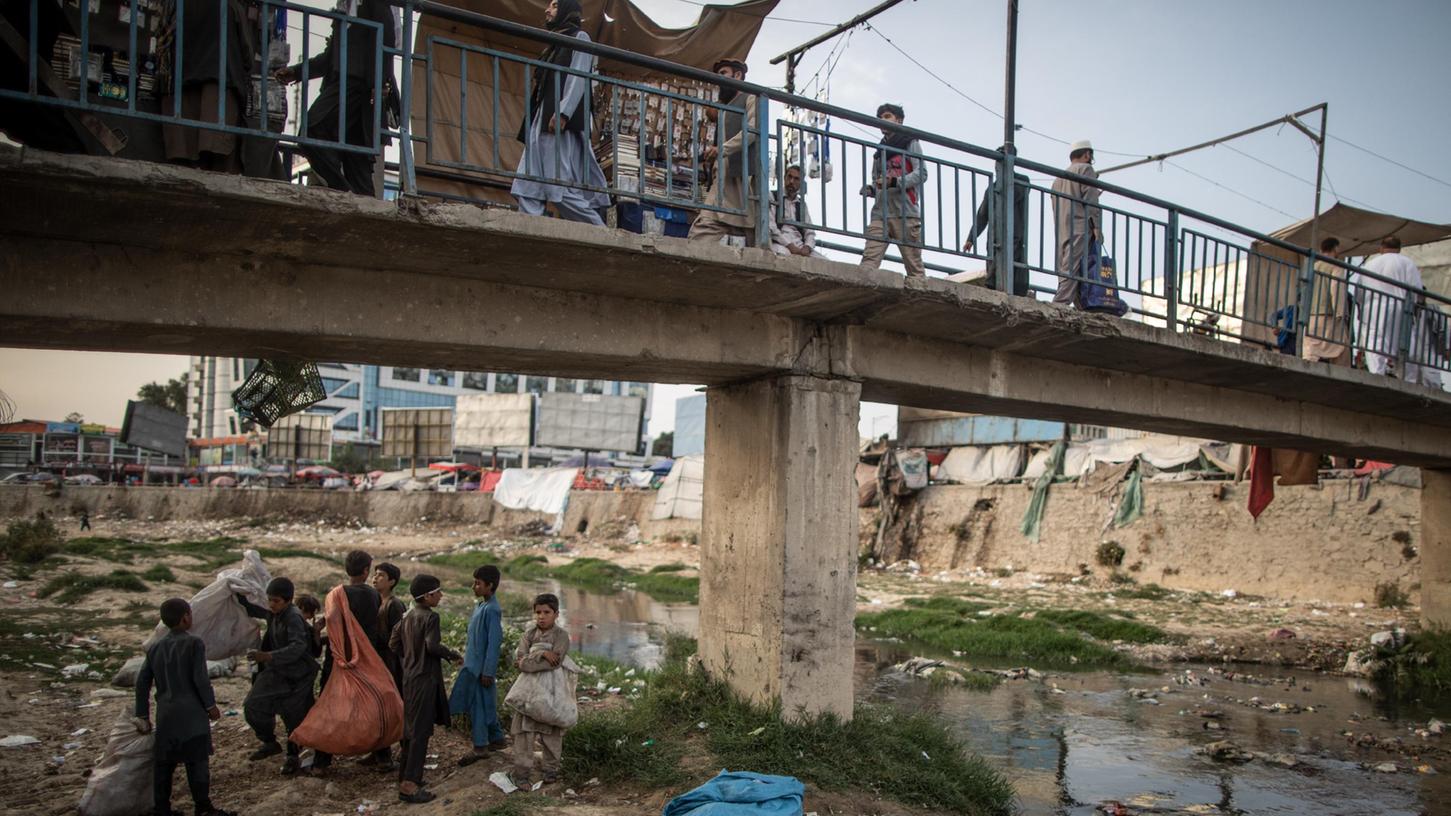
pixel 913 759
pixel 1419 668
pixel 72 586
pixel 593 574
pixel 1053 637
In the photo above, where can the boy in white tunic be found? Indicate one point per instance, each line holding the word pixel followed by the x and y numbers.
pixel 541 648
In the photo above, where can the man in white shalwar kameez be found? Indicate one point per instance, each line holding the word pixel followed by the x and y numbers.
pixel 556 131
pixel 1382 302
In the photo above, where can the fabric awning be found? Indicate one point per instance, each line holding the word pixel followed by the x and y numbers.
pixel 1360 231
pixel 720 31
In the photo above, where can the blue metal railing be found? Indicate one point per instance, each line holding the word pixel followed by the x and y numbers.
pixel 1176 267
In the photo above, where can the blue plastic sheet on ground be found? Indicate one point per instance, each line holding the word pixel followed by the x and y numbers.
pixel 740 793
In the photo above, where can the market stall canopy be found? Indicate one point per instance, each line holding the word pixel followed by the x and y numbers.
pixel 1360 231
pixel 720 31
pixel 1271 272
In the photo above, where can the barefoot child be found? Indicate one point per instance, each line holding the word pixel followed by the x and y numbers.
pixel 473 691
pixel 425 702
pixel 283 685
pixel 541 648
pixel 177 665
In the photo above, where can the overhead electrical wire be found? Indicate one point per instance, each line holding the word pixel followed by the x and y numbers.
pixel 1208 180
pixel 719 7
pixel 1407 167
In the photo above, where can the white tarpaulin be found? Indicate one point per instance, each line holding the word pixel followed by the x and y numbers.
pixel 1162 452
pixel 682 491
pixel 544 490
pixel 981 464
pixel 485 421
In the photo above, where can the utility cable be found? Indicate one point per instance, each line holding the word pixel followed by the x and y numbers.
pixel 1442 182
pixel 1208 180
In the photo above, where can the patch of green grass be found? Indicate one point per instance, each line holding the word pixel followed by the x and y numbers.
pixel 1390 596
pixel 677 567
pixel 30 542
pixel 970 680
pixel 73 586
pixel 121 550
pixel 913 759
pixel 1422 667
pixel 1147 592
pixel 952 623
pixel 517 804
pixel 160 573
pixel 1104 627
pixel 593 574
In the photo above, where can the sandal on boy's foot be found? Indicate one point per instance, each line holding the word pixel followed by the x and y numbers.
pixel 267 749
pixel 418 797
pixel 290 766
pixel 498 745
pixel 471 758
pixel 550 777
pixel 385 766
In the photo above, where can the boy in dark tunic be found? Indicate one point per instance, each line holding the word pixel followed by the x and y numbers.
pixel 390 613
pixel 177 665
pixel 425 702
pixel 283 684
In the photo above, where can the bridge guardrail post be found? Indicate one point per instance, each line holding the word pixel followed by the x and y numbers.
pixel 1407 332
pixel 407 178
pixel 762 171
pixel 1004 257
pixel 1302 301
pixel 1171 271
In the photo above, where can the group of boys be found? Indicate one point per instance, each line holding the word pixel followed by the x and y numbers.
pixel 408 642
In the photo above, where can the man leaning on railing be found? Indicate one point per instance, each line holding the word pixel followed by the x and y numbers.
pixel 1327 335
pixel 898 174
pixel 557 153
pixel 347 169
pixel 728 189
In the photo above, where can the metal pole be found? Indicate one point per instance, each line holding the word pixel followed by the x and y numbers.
pixel 1005 258
pixel 1307 272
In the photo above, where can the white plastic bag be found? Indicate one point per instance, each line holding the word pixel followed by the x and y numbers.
pixel 547 696
pixel 217 618
pixel 121 783
pixel 125 677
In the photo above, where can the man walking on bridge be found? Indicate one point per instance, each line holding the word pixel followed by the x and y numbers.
pixel 898 174
pixel 1078 221
pixel 557 156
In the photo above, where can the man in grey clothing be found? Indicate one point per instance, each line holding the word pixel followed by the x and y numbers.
pixel 1078 220
pixel 898 174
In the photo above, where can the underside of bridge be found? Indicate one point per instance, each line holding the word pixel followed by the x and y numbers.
pixel 112 255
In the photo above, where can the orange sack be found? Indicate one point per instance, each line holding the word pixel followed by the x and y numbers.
pixel 359 711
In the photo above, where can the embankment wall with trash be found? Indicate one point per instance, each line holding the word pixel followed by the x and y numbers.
pixel 1333 542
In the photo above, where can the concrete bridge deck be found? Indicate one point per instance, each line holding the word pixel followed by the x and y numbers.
pixel 131 256
pixel 127 256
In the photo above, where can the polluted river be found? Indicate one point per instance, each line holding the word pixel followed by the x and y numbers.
pixel 1191 738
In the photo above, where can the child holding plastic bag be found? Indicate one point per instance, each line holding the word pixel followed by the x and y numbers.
pixel 542 648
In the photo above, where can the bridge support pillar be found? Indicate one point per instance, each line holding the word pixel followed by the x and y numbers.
pixel 779 541
pixel 1436 548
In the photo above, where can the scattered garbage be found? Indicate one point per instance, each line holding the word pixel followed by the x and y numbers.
pixel 11 584
pixel 18 741
pixel 502 781
pixel 1387 767
pixel 1282 634
pixel 1226 751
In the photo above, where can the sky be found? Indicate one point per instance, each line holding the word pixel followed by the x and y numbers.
pixel 1136 77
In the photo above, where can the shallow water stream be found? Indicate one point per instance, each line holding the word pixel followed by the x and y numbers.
pixel 1072 741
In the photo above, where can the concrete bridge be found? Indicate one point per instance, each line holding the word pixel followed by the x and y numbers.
pixel 112 255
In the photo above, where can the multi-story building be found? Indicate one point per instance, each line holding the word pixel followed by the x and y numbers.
pixel 357 393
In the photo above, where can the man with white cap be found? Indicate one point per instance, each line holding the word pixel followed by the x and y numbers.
pixel 1078 220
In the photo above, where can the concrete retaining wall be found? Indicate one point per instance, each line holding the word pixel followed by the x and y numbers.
pixel 1314 542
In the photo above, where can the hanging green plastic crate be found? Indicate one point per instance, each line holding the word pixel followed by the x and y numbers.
pixel 277 388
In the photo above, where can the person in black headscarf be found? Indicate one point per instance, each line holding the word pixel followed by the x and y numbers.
pixel 558 159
